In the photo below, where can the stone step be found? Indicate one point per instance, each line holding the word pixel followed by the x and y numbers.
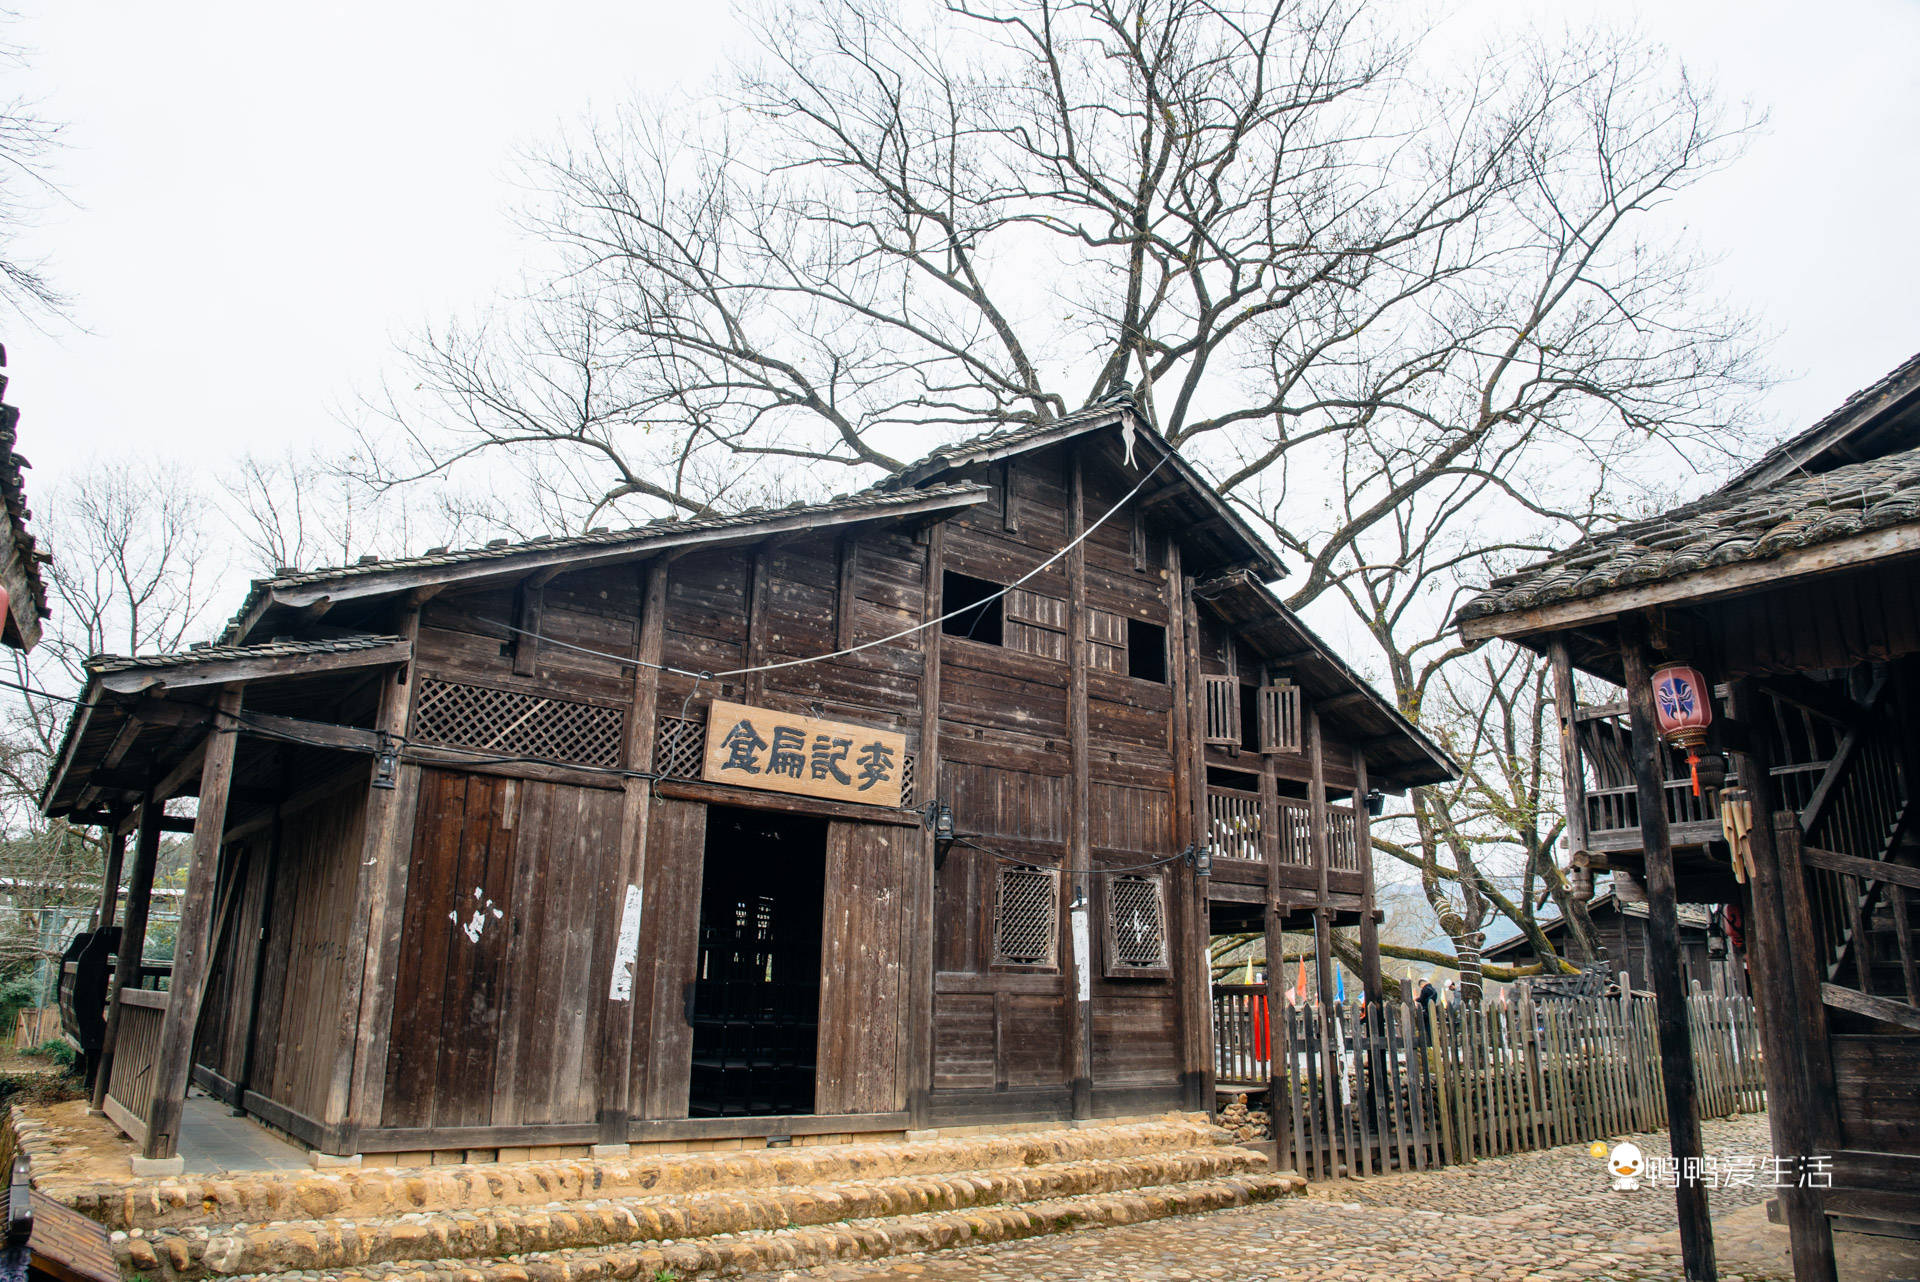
pixel 333 1245
pixel 865 1239
pixel 267 1196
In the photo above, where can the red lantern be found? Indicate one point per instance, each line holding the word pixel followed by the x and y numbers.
pixel 1683 709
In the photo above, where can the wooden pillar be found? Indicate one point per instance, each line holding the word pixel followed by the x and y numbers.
pixel 1663 956
pixel 926 777
pixel 1363 846
pixel 1189 817
pixel 271 871
pixel 1322 859
pixel 620 1066
pixel 1079 841
pixel 1573 782
pixel 356 1091
pixel 133 934
pixel 1776 992
pixel 194 942
pixel 110 877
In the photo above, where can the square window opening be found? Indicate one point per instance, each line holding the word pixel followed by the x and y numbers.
pixel 975 607
pixel 1146 651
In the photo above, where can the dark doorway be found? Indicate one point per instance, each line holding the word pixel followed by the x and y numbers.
pixel 755 1005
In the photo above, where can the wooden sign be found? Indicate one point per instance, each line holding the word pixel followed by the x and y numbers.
pixel 783 752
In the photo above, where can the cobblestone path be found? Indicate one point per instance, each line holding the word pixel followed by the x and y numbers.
pixel 1537 1215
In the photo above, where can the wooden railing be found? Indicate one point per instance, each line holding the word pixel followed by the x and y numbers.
pixel 136 1053
pixel 1402 1088
pixel 1235 825
pixel 1342 839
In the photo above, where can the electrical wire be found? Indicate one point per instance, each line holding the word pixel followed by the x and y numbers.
pixel 1028 577
pixel 1002 856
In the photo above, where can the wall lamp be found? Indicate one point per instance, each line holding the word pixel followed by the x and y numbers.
pixel 938 818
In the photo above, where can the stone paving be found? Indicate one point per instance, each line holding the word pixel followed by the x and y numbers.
pixel 1549 1215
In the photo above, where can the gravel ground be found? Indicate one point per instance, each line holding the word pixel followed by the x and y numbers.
pixel 1538 1215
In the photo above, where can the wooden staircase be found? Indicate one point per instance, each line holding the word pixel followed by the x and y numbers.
pixel 687 1215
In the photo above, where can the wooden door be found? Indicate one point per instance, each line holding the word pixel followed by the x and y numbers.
pixel 864 1025
pixel 500 998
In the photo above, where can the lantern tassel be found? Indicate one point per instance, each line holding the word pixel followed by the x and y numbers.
pixel 1693 766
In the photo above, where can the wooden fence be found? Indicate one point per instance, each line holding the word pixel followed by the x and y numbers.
pixel 1398 1088
pixel 36 1026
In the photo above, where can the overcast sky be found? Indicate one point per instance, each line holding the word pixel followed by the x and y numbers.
pixel 265 197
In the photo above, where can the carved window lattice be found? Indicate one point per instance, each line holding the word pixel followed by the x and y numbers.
pixel 679 747
pixel 906 780
pixel 516 724
pixel 1136 925
pixel 1026 927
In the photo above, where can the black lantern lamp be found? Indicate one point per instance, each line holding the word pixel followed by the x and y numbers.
pixel 1376 803
pixel 386 764
pixel 1199 858
pixel 939 820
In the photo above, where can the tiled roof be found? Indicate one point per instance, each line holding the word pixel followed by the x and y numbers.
pixel 1726 527
pixel 989 443
pixel 1836 428
pixel 101 664
pixel 872 500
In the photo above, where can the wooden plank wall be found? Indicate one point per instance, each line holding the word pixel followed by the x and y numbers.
pixel 220 1042
pixel 302 974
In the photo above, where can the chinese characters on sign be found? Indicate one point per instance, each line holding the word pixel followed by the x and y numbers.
pixel 782 752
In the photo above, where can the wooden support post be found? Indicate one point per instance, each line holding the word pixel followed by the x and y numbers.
pixel 926 776
pixel 1189 817
pixel 760 607
pixel 1322 859
pixel 1573 782
pixel 133 935
pixel 1276 998
pixel 271 871
pixel 1363 846
pixel 1776 969
pixel 373 936
pixel 1079 840
pixel 623 1061
pixel 1663 957
pixel 110 877
pixel 194 942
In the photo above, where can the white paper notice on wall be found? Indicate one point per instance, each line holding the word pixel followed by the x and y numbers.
pixel 1083 952
pixel 625 955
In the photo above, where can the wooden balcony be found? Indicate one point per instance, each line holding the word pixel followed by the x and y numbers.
pixel 1248 831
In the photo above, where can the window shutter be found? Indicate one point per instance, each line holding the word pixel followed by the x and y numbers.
pixel 1026 927
pixel 1136 927
pixel 1280 717
pixel 1223 709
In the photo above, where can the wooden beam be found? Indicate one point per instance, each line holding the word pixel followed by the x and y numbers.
pixel 1079 846
pixel 1663 959
pixel 1777 974
pixel 191 673
pixel 528 599
pixel 110 880
pixel 193 944
pixel 188 767
pixel 133 936
pixel 843 597
pixel 374 942
pixel 1701 585
pixel 1880 1008
pixel 122 744
pixel 623 1057
pixel 919 1058
pixel 1369 918
pixel 1573 780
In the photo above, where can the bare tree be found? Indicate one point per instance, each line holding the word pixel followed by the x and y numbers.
pixel 28 141
pixel 1418 315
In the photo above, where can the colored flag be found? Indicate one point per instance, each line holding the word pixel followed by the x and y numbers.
pixel 1339 984
pixel 1300 985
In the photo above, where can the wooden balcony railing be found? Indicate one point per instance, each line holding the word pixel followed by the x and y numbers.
pixel 136 1055
pixel 1240 826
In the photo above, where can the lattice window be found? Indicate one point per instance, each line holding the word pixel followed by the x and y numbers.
pixel 517 724
pixel 906 780
pixel 679 746
pixel 1136 925
pixel 1280 717
pixel 1223 709
pixel 1026 924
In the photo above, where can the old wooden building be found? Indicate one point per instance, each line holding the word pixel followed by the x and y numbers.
pixel 1795 590
pixel 1709 957
pixel 910 808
